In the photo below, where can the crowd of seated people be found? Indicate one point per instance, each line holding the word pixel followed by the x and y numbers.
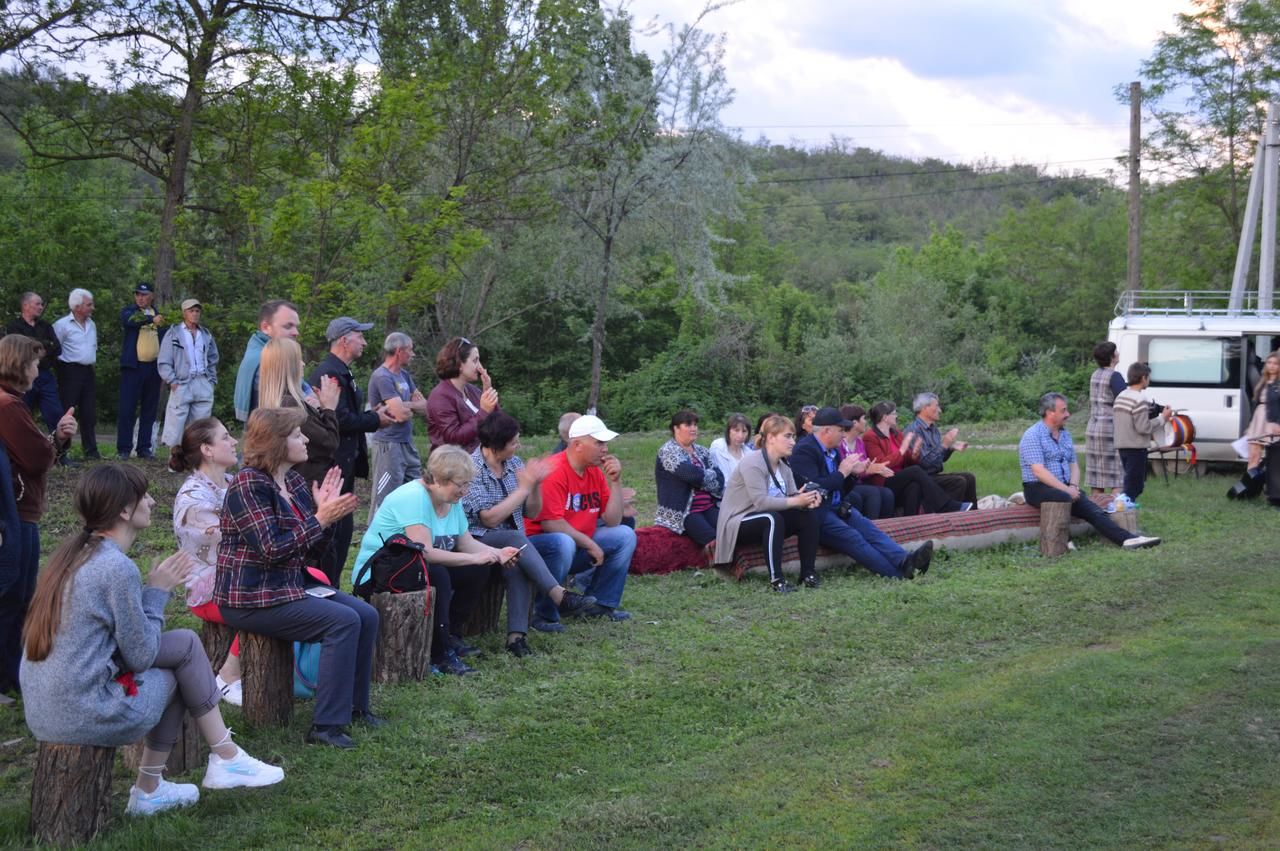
pixel 250 541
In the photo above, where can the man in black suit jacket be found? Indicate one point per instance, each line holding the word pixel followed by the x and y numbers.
pixel 346 343
pixel 853 535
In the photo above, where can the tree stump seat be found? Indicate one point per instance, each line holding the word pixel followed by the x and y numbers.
pixel 1055 528
pixel 405 624
pixel 70 793
pixel 267 664
pixel 189 753
pixel 487 614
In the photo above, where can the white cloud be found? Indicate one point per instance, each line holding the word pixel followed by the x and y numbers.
pixel 801 69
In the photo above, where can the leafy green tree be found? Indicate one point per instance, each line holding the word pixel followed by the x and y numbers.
pixel 649 155
pixel 1206 89
pixel 168 60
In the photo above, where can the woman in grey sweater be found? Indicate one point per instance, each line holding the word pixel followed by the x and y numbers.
pixel 97 669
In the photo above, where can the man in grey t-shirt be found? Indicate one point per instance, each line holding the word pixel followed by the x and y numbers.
pixel 391 388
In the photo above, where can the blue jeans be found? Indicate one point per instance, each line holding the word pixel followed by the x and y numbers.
pixel 862 541
pixel 138 384
pixel 43 397
pixel 347 629
pixel 564 558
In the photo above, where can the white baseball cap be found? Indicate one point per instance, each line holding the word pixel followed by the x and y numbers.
pixel 590 426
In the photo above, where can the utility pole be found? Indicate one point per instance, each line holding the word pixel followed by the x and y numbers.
pixel 1135 186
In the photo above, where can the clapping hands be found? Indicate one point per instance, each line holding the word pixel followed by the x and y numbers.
pixel 171 572
pixel 532 473
pixel 331 503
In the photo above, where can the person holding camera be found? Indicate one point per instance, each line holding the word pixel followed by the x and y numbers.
pixel 842 527
pixel 762 505
pixel 1136 421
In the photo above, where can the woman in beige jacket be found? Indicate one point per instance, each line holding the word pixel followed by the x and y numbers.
pixel 761 505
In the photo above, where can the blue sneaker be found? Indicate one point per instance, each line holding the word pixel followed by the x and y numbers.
pixel 451 664
pixel 599 610
pixel 547 626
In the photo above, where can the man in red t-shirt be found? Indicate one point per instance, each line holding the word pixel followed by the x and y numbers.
pixel 579 504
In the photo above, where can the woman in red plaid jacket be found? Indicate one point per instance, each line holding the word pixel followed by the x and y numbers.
pixel 273 529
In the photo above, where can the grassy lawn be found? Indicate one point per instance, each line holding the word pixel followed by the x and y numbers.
pixel 1106 699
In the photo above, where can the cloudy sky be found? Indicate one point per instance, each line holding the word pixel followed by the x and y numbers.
pixel 1027 81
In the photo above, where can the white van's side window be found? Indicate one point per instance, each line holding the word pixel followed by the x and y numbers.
pixel 1211 362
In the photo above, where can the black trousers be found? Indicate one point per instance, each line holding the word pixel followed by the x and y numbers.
pixel 1082 507
pixel 1134 462
pixel 914 488
pixel 78 389
pixel 456 591
pixel 771 528
pixel 335 558
pixel 962 487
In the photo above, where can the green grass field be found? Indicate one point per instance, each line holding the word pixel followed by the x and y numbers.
pixel 1103 700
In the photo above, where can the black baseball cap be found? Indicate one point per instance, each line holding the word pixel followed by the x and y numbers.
pixel 143 289
pixel 831 417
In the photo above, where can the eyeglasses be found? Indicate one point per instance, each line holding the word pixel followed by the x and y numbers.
pixel 464 341
pixel 809 409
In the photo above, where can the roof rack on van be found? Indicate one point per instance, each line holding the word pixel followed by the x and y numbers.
pixel 1187 303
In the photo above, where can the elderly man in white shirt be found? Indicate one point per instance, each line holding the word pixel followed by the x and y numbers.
pixel 188 363
pixel 76 382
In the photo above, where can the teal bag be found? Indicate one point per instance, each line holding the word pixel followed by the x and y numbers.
pixel 306 668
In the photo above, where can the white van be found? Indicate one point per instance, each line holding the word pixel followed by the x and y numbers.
pixel 1205 358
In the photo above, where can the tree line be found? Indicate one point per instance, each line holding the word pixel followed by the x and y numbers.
pixel 521 174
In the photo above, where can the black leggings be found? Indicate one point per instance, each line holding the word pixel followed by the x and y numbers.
pixel 457 590
pixel 771 528
pixel 912 487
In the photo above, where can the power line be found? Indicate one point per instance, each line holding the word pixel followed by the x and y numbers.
pixel 880 198
pixel 974 170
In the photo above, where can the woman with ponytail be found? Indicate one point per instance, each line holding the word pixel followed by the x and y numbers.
pixel 207 450
pixel 98 669
pixel 31 455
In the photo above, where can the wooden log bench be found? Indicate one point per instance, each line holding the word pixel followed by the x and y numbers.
pixel 961 530
pixel 70 793
pixel 405 624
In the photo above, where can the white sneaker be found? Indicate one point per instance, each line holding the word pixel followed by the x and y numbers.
pixel 232 693
pixel 1140 542
pixel 240 770
pixel 167 796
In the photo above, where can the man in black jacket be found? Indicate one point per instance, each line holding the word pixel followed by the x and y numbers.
pixel 43 395
pixel 814 465
pixel 346 343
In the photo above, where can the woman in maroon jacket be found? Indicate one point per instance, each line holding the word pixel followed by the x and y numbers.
pixel 31 455
pixel 456 406
pixel 912 487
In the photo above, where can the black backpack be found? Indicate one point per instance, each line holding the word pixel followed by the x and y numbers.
pixel 398 567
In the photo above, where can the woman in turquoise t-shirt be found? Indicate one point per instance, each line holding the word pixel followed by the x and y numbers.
pixel 427 511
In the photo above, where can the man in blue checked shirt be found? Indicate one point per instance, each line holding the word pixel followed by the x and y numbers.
pixel 1050 473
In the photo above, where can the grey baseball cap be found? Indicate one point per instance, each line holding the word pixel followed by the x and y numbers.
pixel 344 325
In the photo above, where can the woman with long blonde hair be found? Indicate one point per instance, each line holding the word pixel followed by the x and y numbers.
pixel 280 386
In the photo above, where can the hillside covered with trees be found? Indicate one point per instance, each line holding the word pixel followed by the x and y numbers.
pixel 518 173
